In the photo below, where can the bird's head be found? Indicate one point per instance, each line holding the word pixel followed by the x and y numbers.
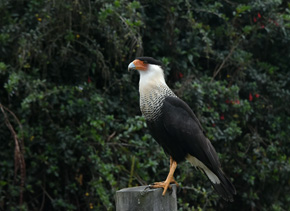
pixel 150 70
pixel 143 63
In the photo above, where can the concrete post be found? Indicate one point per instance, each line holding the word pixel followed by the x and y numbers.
pixel 143 198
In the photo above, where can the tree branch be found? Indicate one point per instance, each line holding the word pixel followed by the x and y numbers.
pixel 18 151
pixel 225 60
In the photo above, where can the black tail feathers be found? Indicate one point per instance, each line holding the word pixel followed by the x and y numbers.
pixel 225 188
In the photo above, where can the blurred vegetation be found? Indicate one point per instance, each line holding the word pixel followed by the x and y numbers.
pixel 70 127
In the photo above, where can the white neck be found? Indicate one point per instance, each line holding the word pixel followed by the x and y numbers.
pixel 153 90
pixel 151 78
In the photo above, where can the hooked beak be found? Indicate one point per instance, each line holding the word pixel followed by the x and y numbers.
pixel 137 64
pixel 131 66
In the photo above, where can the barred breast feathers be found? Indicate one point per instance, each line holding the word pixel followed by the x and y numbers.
pixel 153 90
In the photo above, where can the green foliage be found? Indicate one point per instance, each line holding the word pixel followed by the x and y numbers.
pixel 66 90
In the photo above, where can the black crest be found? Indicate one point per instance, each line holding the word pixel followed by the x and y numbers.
pixel 150 60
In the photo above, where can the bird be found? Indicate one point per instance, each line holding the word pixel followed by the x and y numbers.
pixel 176 128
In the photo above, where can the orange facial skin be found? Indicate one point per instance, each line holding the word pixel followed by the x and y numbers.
pixel 140 65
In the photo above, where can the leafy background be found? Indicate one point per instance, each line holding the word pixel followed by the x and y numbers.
pixel 70 126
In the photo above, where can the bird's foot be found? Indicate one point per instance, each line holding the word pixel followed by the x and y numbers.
pixel 165 185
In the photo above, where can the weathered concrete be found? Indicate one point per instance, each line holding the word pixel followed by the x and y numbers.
pixel 143 198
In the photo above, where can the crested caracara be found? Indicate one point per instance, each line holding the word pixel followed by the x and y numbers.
pixel 176 128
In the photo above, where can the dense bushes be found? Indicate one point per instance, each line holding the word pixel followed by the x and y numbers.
pixel 70 107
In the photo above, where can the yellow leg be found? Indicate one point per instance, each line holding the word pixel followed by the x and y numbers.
pixel 166 184
pixel 173 180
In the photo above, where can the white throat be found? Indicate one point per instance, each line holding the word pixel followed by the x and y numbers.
pixel 153 90
pixel 151 78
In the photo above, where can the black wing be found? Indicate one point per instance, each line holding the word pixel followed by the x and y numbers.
pixel 185 130
pixel 181 134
